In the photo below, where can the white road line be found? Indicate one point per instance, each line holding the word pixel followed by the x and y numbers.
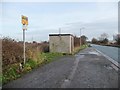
pixel 114 67
pixel 110 59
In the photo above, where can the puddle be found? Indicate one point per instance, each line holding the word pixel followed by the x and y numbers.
pixel 94 52
pixel 80 55
pixel 66 80
pixel 108 67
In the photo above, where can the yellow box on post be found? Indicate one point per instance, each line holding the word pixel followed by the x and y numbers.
pixel 24 20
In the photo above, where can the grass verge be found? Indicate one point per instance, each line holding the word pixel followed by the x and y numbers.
pixel 13 71
pixel 77 49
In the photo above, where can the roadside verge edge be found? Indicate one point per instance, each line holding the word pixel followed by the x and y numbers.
pixel 110 59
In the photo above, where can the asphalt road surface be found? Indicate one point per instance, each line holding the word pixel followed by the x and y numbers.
pixel 87 69
pixel 107 50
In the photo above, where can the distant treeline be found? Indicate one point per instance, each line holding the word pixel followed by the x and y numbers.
pixel 103 40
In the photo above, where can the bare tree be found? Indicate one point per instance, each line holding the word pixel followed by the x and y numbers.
pixel 84 38
pixel 118 39
pixel 94 41
pixel 103 36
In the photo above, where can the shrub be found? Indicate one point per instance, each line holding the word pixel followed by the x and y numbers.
pixel 32 63
pixel 12 51
pixel 13 55
pixel 10 73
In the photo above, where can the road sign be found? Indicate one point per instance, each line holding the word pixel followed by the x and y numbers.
pixel 25 23
pixel 24 20
pixel 24 27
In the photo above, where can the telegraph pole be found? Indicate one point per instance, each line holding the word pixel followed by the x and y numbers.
pixel 1 59
pixel 80 35
pixel 59 30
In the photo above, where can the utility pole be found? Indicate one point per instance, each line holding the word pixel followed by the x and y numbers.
pixel 80 35
pixel 1 58
pixel 32 39
pixel 59 30
pixel 60 33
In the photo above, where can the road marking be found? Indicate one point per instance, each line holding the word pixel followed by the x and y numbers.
pixel 67 81
pixel 113 66
pixel 108 67
pixel 110 59
pixel 94 52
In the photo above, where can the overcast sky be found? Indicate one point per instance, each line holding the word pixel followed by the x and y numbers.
pixel 47 17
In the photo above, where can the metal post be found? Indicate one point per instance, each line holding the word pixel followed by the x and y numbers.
pixel 59 30
pixel 0 60
pixel 24 23
pixel 60 33
pixel 24 44
pixel 80 37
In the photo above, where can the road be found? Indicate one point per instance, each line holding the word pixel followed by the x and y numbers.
pixel 87 69
pixel 112 52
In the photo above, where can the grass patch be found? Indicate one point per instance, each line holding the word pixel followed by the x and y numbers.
pixel 0 79
pixel 48 57
pixel 13 71
pixel 10 73
pixel 77 49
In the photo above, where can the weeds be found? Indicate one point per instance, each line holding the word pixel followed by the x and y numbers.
pixel 77 49
pixel 13 72
pixel 36 55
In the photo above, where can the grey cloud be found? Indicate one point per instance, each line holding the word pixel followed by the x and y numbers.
pixel 92 29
